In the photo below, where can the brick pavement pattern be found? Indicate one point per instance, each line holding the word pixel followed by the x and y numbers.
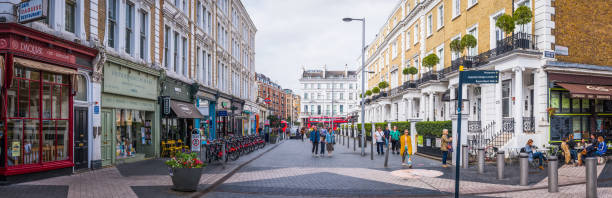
pixel 291 170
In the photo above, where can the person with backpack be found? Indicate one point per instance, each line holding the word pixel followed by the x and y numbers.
pixel 395 144
pixel 379 137
pixel 315 138
pixel 406 148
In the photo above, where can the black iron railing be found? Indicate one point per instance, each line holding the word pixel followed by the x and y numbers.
pixel 474 127
pixel 528 125
pixel 510 43
pixel 508 125
pixel 399 89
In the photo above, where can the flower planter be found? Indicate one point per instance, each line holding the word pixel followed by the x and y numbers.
pixel 186 179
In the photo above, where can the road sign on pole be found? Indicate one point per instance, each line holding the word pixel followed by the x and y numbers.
pixel 468 77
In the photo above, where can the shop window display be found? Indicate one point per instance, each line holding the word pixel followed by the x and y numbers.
pixel 132 130
pixel 27 126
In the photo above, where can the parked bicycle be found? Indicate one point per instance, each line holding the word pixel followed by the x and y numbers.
pixel 234 147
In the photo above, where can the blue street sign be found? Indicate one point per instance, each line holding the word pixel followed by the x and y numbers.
pixel 480 76
pixel 221 113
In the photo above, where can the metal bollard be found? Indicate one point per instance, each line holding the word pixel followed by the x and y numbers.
pixel 553 174
pixel 481 161
pixel 464 156
pixel 500 164
pixel 524 170
pixel 591 177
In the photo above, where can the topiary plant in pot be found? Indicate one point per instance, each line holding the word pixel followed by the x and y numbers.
pixel 383 85
pixel 468 41
pixel 522 15
pixel 368 93
pixel 410 71
pixel 185 171
pixel 375 90
pixel 505 23
pixel 430 61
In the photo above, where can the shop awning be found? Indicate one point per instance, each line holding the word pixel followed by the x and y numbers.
pixel 588 91
pixel 44 66
pixel 185 110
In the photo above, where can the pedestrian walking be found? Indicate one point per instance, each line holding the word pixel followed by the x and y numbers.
pixel 323 134
pixel 315 138
pixel 446 145
pixel 379 137
pixel 406 148
pixel 329 138
pixel 387 135
pixel 395 144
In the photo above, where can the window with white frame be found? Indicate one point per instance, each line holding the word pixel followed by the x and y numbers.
pixel 416 62
pixel 407 40
pixel 341 96
pixel 50 13
pixel 184 4
pixel 208 22
pixel 129 26
pixel 219 86
pixel 472 3
pixel 69 19
pixel 166 48
pixel 143 34
pixel 112 23
pixel 456 8
pixel 209 68
pixel 198 13
pixel 455 55
pixel 429 24
pixel 199 64
pixel 440 16
pixel 394 49
pixel 527 27
pixel 474 50
pixel 440 52
pixel 416 33
pixel 176 50
pixel 184 56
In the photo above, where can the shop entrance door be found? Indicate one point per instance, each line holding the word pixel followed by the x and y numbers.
pixel 80 137
pixel 107 135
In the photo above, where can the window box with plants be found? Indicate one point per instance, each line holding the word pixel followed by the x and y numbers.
pixel 185 170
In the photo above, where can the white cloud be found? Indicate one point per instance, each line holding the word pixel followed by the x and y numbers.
pixel 292 33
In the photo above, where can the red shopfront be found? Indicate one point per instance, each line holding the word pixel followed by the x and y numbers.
pixel 36 125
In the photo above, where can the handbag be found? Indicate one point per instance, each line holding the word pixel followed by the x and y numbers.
pixel 449 146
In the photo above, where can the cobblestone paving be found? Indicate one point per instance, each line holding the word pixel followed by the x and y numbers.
pixel 289 170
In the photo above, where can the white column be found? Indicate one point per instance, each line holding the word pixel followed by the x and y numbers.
pixel 519 101
pixel 422 113
pixel 498 106
pixel 410 113
pixel 431 106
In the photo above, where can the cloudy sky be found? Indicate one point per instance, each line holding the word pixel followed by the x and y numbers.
pixel 311 33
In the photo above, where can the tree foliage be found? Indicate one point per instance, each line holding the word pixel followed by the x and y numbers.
pixel 522 15
pixel 383 84
pixel 375 90
pixel 468 41
pixel 411 70
pixel 456 46
pixel 506 23
pixel 368 92
pixel 430 60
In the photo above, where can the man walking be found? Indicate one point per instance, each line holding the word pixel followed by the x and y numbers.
pixel 379 136
pixel 329 138
pixel 395 140
pixel 315 138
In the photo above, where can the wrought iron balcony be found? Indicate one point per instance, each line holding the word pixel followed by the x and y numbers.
pixel 508 125
pixel 508 44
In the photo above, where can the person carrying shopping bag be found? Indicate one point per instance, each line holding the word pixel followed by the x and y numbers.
pixel 406 148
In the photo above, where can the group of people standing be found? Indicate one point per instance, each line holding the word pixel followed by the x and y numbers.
pixel 400 144
pixel 325 138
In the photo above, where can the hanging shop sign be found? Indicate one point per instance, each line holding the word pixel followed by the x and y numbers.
pixel 165 104
pixel 221 113
pixel 177 90
pixel 32 10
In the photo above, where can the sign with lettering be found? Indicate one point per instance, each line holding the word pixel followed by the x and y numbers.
pixel 221 113
pixel 561 50
pixel 125 102
pixel 195 142
pixel 480 76
pixel 165 104
pixel 32 10
pixel 125 81
pixel 37 48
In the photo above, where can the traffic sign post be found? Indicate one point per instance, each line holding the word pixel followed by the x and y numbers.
pixel 195 140
pixel 468 77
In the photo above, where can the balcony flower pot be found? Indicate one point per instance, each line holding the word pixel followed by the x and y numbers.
pixel 185 170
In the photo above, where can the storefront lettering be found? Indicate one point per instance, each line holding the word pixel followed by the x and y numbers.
pixel 597 88
pixel 36 48
pixel 129 82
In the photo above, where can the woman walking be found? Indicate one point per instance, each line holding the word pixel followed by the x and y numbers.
pixel 395 146
pixel 379 137
pixel 446 145
pixel 406 148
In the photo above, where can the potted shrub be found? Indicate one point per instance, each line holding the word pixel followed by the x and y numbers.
pixel 505 23
pixel 368 93
pixel 375 90
pixel 430 60
pixel 468 41
pixel 185 171
pixel 522 15
pixel 410 71
pixel 383 85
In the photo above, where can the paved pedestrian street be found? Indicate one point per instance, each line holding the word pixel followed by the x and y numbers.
pixel 288 169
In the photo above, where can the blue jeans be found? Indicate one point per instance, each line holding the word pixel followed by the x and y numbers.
pixel 444 157
pixel 573 154
pixel 322 148
pixel 539 155
pixel 379 147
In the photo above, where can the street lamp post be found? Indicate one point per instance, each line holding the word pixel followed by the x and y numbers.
pixel 362 79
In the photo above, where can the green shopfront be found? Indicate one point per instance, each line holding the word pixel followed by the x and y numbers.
pixel 580 105
pixel 179 117
pixel 129 116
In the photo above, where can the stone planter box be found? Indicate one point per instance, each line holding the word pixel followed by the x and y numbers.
pixel 186 179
